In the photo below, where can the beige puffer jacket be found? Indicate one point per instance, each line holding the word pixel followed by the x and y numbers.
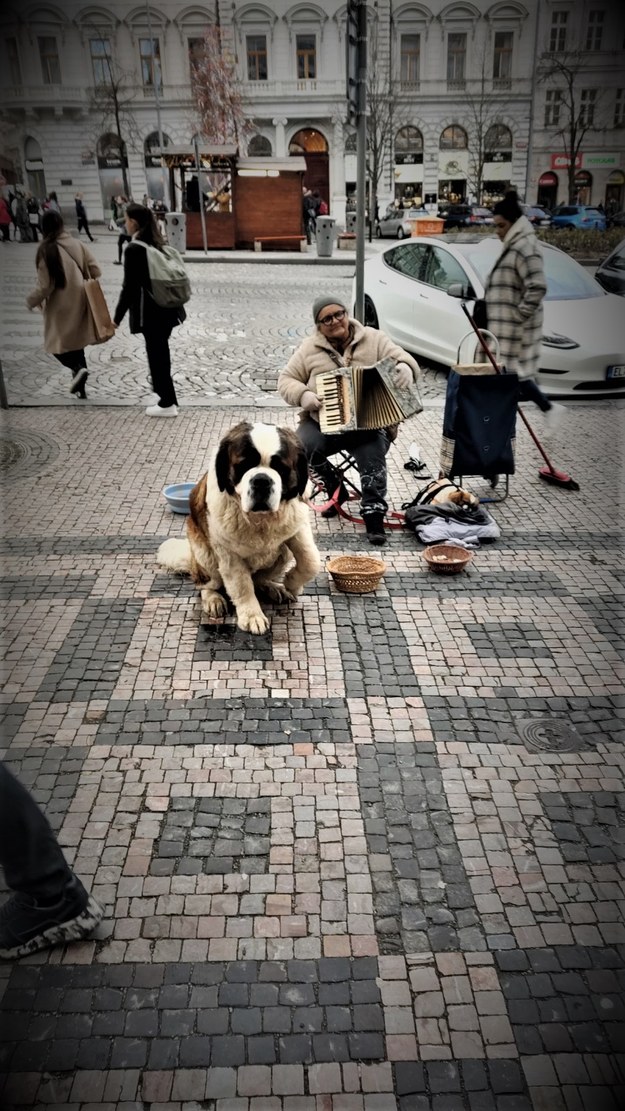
pixel 316 355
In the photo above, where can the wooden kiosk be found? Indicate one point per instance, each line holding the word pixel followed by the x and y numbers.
pixel 247 202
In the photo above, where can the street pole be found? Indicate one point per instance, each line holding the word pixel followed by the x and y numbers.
pixel 157 100
pixel 201 192
pixel 361 155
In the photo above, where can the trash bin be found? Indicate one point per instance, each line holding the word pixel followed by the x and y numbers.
pixel 350 221
pixel 176 223
pixel 325 236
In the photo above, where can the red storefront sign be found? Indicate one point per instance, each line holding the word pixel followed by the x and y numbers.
pixel 562 161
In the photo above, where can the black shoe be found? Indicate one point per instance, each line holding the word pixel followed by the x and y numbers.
pixel 333 511
pixel 78 381
pixel 374 524
pixel 116 263
pixel 26 925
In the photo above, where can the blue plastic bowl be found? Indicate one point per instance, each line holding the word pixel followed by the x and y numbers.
pixel 177 496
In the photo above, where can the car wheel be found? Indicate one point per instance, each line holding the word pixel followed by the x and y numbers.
pixel 371 316
pixel 400 232
pixel 378 232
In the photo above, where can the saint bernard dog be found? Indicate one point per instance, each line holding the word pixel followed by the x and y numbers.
pixel 248 528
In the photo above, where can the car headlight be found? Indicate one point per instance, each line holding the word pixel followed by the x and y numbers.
pixel 563 343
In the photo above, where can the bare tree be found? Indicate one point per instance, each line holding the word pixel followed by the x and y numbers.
pixel 385 114
pixel 111 101
pixel 572 118
pixel 217 93
pixel 483 105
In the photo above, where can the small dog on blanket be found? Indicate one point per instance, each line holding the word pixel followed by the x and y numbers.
pixel 442 490
pixel 248 525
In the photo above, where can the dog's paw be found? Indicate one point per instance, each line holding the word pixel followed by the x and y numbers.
pixel 277 592
pixel 252 621
pixel 293 587
pixel 213 605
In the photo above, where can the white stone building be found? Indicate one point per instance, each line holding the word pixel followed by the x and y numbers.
pixel 451 62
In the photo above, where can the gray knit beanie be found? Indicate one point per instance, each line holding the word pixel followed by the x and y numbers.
pixel 322 302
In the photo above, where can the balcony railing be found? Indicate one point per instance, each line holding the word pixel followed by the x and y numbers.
pixel 43 96
pixel 456 83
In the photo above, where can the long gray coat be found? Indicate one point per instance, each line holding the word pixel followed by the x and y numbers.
pixel 68 324
pixel 514 294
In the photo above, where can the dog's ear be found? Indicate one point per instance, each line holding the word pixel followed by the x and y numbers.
pixel 302 471
pixel 222 467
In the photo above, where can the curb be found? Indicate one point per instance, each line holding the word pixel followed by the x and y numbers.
pixel 276 258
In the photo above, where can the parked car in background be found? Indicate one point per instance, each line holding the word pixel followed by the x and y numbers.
pixel 611 272
pixel 537 216
pixel 406 294
pixel 395 223
pixel 581 216
pixel 466 216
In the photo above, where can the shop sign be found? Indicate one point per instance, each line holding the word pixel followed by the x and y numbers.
pixel 409 159
pixel 520 146
pixel 153 160
pixel 548 179
pixel 601 161
pixel 33 165
pixel 87 157
pixel 562 161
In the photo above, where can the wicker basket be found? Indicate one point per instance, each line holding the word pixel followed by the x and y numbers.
pixel 447 559
pixel 356 574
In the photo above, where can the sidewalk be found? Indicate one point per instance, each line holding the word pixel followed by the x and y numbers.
pixel 371 860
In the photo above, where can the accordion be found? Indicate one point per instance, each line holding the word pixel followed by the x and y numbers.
pixel 359 397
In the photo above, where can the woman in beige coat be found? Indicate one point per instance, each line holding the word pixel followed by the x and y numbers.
pixel 340 341
pixel 62 266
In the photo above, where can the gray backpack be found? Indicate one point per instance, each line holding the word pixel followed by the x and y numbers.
pixel 171 287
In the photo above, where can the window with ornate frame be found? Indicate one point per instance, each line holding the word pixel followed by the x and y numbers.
pixel 410 51
pixel 306 56
pixel 100 50
pixel 256 53
pixel 456 59
pixel 594 29
pixel 553 104
pixel 588 103
pixel 453 137
pixel 557 33
pixel 13 58
pixel 502 57
pixel 150 54
pixel 50 64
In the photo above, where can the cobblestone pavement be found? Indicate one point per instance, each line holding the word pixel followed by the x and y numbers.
pixel 232 345
pixel 371 860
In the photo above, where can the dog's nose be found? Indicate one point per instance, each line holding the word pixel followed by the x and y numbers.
pixel 262 489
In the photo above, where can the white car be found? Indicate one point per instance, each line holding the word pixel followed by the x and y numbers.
pixel 406 295
pixel 397 222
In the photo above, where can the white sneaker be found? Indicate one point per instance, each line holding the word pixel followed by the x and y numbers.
pixel 162 411
pixel 554 417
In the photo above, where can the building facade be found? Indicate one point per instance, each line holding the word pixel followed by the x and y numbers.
pixel 471 113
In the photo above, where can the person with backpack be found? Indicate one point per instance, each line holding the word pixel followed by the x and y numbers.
pixel 154 292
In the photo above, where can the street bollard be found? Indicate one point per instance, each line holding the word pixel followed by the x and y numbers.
pixel 325 236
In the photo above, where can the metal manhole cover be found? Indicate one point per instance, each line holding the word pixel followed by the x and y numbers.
pixel 550 734
pixel 26 455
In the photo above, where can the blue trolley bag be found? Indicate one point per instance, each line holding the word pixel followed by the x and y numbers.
pixel 479 424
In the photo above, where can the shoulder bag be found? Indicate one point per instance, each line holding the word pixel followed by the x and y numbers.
pixel 96 303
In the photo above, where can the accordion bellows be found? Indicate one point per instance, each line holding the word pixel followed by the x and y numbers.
pixel 363 397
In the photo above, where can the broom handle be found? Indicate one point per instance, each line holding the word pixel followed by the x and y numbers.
pixel 491 359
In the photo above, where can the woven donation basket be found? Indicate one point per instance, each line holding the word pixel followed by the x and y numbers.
pixel 447 559
pixel 356 574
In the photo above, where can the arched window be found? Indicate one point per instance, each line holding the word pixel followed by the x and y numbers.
pixel 259 147
pixel 498 137
pixel 453 138
pixel 32 150
pixel 111 148
pixel 308 140
pixel 408 140
pixel 153 140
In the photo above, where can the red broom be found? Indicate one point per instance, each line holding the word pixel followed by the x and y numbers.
pixel 548 473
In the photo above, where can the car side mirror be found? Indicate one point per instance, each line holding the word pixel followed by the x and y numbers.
pixel 457 289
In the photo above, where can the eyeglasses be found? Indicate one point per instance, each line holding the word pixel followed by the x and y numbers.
pixel 333 316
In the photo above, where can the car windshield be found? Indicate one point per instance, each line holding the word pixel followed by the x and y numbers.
pixel 568 211
pixel 566 279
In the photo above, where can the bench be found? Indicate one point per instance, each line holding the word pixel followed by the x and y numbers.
pixel 278 240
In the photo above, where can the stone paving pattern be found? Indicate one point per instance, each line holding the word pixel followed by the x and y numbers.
pixel 371 860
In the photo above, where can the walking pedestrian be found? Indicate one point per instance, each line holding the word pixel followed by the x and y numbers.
pixel 121 205
pixel 50 905
pixel 51 203
pixel 340 341
pixel 20 218
pixel 34 216
pixel 514 293
pixel 154 322
pixel 5 221
pixel 81 213
pixel 62 265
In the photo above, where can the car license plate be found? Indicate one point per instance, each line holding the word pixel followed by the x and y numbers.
pixel 616 371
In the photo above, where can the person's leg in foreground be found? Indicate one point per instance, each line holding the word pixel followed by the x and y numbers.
pixel 77 363
pixel 50 905
pixel 159 361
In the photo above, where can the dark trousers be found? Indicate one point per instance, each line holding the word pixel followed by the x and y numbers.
pixel 84 223
pixel 73 360
pixel 156 336
pixel 6 232
pixel 369 450
pixel 29 852
pixel 120 243
pixel 529 391
pixel 34 231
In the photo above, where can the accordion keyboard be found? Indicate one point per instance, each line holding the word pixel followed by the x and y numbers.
pixel 335 414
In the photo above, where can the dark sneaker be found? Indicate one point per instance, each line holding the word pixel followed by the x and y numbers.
pixel 333 511
pixel 26 926
pixel 374 524
pixel 78 381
